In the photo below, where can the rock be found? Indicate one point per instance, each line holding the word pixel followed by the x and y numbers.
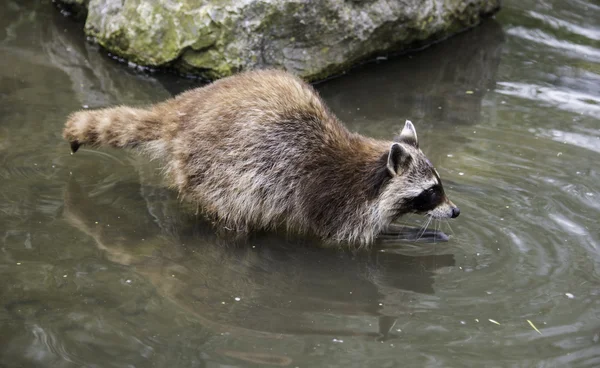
pixel 75 8
pixel 313 39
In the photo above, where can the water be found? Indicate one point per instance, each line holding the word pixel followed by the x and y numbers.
pixel 102 267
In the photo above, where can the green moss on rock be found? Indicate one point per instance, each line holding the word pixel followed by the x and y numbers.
pixel 217 38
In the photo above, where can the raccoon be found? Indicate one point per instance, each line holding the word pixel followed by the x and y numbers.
pixel 260 150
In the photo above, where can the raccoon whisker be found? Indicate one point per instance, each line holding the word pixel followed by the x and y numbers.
pixel 400 231
pixel 421 228
pixel 426 225
pixel 450 227
pixel 424 228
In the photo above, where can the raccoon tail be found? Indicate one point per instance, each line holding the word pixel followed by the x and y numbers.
pixel 119 127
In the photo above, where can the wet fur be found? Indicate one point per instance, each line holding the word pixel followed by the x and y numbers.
pixel 261 150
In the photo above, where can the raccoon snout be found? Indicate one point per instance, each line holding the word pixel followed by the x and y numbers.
pixel 445 210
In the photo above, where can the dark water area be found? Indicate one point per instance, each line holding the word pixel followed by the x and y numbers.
pixel 102 266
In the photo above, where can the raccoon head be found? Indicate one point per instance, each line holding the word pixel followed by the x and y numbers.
pixel 414 185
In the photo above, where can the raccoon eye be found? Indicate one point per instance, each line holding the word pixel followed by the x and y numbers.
pixel 431 193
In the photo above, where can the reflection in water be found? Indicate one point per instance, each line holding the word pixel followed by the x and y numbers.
pixel 558 24
pixel 555 44
pixel 102 266
pixel 429 87
pixel 281 283
pixel 587 141
pixel 569 100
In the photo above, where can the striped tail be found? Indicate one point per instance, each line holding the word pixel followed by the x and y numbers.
pixel 119 127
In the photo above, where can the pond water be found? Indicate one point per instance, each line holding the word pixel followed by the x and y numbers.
pixel 100 266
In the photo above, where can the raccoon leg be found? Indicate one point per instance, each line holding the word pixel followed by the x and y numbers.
pixel 386 324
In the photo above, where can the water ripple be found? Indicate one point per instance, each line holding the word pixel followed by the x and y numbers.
pixel 569 100
pixel 554 44
pixel 557 23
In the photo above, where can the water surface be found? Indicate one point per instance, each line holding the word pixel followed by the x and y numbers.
pixel 101 266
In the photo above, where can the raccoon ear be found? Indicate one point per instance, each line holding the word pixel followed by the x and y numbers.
pixel 397 159
pixel 408 134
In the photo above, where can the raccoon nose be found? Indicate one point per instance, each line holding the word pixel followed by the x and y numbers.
pixel 455 212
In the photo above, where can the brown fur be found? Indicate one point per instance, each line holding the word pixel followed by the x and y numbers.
pixel 260 149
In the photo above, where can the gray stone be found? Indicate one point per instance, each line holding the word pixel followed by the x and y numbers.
pixel 313 39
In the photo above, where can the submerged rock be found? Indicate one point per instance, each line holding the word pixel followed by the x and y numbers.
pixel 313 39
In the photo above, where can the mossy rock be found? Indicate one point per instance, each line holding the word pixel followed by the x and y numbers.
pixel 313 39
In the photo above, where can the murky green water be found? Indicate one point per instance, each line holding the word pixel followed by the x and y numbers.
pixel 102 267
